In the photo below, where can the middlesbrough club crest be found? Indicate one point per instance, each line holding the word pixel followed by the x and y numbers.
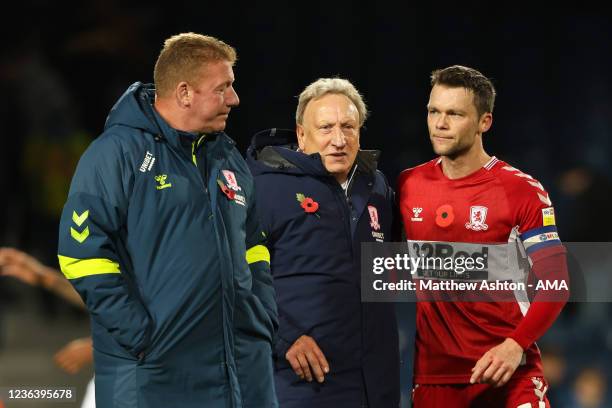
pixel 231 180
pixel 478 215
pixel 373 218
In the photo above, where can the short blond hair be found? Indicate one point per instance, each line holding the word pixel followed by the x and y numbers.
pixel 325 86
pixel 182 57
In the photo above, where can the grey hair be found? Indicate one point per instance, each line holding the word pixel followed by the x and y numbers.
pixel 324 86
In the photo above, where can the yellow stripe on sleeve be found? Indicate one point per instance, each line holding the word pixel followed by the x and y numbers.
pixel 74 268
pixel 257 253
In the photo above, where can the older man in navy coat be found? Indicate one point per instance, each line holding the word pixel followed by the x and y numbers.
pixel 319 198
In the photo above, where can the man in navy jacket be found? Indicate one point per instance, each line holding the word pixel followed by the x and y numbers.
pixel 319 197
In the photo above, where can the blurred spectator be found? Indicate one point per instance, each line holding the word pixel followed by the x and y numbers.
pixel 584 196
pixel 78 353
pixel 75 355
pixel 555 371
pixel 29 270
pixel 555 367
pixel 590 388
pixel 578 341
pixel 46 142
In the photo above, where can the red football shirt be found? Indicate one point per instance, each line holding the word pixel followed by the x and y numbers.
pixel 491 205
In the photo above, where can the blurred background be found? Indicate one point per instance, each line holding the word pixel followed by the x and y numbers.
pixel 64 64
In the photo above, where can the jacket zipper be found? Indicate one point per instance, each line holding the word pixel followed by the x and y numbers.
pixel 346 208
pixel 194 146
pixel 349 185
pixel 349 205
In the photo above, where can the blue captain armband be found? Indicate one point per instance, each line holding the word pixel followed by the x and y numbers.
pixel 539 238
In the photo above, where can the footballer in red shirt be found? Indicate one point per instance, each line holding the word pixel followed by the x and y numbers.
pixel 479 354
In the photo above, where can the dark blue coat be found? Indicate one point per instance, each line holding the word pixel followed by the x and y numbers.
pixel 315 264
pixel 174 273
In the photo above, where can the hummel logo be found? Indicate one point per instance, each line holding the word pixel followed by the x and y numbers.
pixel 79 220
pixel 161 179
pixel 147 163
pixel 543 197
pixel 416 211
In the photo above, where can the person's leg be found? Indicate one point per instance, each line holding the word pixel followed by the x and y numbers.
pixel 519 393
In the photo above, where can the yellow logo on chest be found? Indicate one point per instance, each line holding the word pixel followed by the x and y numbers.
pixel 161 180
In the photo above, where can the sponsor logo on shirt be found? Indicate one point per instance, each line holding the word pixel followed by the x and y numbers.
pixel 547 236
pixel 240 199
pixel 147 163
pixel 378 236
pixel 417 212
pixel 478 215
pixel 548 216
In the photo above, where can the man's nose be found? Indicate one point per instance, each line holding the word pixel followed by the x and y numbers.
pixel 338 139
pixel 232 98
pixel 442 122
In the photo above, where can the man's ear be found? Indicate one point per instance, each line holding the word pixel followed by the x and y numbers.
pixel 184 94
pixel 301 137
pixel 486 120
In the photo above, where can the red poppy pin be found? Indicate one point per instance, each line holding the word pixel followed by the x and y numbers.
pixel 308 204
pixel 229 193
pixel 445 215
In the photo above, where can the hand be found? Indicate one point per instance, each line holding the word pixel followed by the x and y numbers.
pixel 75 355
pixel 306 359
pixel 22 266
pixel 27 269
pixel 498 364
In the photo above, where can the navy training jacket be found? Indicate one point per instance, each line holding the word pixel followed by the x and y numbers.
pixel 160 237
pixel 315 264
